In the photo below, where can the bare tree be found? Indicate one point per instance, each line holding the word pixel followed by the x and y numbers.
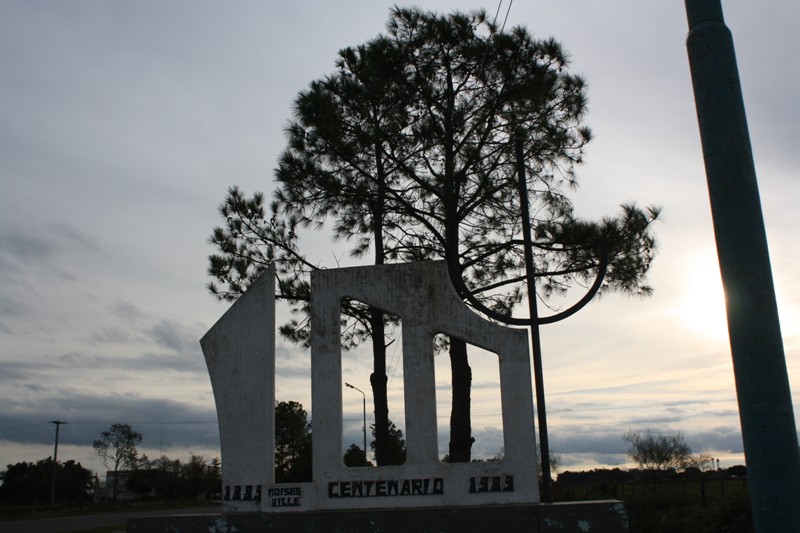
pixel 116 448
pixel 658 453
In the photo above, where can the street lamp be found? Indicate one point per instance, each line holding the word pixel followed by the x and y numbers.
pixel 364 397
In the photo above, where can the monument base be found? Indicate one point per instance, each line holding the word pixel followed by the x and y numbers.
pixel 605 516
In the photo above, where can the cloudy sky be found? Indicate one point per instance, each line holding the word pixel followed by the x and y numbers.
pixel 123 123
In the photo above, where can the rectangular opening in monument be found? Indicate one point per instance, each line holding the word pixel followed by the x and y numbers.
pixel 363 356
pixel 293 409
pixel 476 403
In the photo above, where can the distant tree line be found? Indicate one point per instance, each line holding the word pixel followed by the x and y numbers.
pixel 599 476
pixel 30 483
pixel 170 479
pixel 26 483
pixel 163 478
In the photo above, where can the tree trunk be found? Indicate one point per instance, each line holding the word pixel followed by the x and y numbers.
pixel 460 427
pixel 379 382
pixel 378 378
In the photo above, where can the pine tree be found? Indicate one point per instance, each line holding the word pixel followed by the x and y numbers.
pixel 408 149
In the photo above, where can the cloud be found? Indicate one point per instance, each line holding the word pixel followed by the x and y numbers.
pixel 30 253
pixel 586 440
pixel 12 308
pixel 583 461
pixel 25 248
pixel 177 345
pixel 127 311
pixel 33 246
pixel 80 363
pixel 616 389
pixel 11 371
pixel 137 327
pixel 181 362
pixel 71 238
pixel 725 438
pixel 488 442
pixel 111 335
pixel 490 385
pixel 142 362
pixel 170 334
pixel 293 371
pixel 653 421
pixel 89 414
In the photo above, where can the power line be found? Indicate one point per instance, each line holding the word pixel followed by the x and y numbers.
pixel 496 13
pixel 507 12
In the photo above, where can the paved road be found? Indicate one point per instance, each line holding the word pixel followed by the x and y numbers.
pixel 89 522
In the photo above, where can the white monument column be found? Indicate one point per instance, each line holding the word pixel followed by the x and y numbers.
pixel 240 354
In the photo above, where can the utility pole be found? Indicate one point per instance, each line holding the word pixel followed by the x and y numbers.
pixel 759 362
pixel 536 343
pixel 55 463
pixel 365 419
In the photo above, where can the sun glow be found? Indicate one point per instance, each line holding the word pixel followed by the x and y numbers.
pixel 702 308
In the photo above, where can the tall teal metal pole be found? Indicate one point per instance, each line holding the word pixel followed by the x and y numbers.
pixel 759 363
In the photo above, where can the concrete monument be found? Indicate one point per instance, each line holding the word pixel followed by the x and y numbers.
pixel 240 353
pixel 424 494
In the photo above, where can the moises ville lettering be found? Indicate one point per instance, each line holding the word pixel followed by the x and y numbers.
pixel 386 487
pixel 285 497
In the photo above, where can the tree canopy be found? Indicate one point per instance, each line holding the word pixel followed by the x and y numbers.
pixel 292 443
pixel 355 456
pixel 396 445
pixel 407 151
pixel 413 132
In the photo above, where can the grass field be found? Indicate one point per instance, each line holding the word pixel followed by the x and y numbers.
pixel 711 505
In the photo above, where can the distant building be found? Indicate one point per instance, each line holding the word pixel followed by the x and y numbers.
pixel 123 492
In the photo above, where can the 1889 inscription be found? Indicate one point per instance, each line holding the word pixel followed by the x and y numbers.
pixel 491 484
